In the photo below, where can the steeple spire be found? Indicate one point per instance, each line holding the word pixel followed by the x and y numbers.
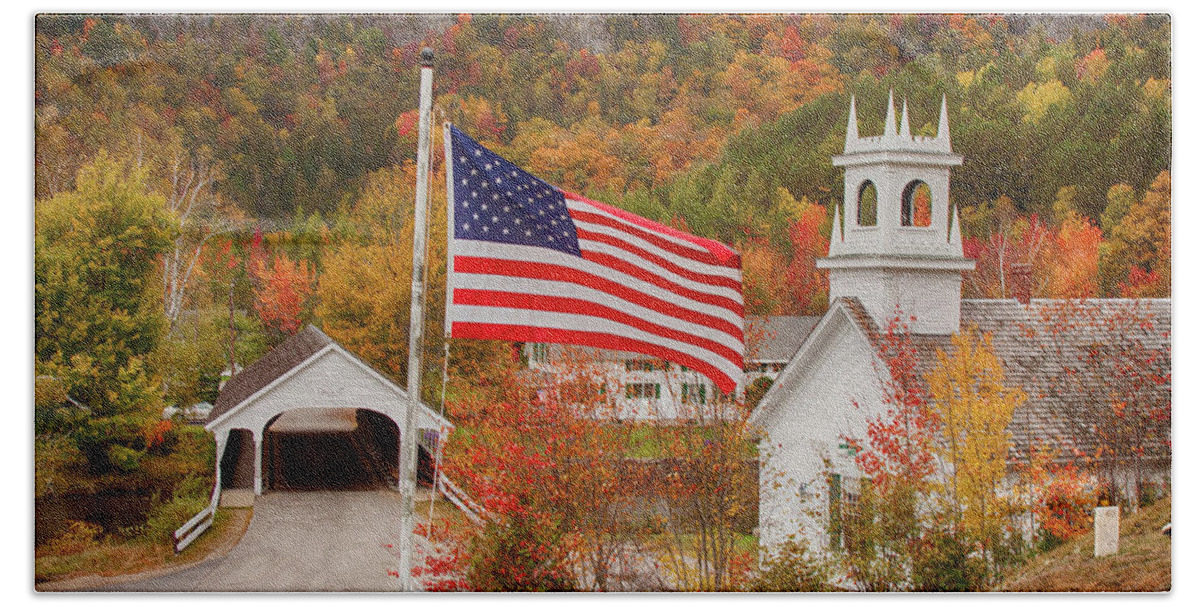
pixel 943 134
pixel 852 126
pixel 889 123
pixel 877 255
pixel 955 238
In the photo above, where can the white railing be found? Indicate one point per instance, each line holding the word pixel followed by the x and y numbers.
pixel 194 527
pixel 460 499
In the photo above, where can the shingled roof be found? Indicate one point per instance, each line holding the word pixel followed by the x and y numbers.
pixel 1056 352
pixel 778 337
pixel 294 351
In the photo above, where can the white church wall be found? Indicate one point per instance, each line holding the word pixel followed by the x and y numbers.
pixel 815 411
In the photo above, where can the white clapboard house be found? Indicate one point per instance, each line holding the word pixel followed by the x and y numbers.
pixel 647 389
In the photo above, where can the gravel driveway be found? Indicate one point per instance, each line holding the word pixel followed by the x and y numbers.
pixel 302 541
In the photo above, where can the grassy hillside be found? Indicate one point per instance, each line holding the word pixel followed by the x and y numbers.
pixel 1142 564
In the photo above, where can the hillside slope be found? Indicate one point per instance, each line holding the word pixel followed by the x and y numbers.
pixel 1142 564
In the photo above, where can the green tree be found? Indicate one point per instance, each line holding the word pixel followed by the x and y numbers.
pixel 97 314
pixel 1141 243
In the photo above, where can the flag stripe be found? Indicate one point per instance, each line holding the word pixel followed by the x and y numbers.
pixel 672 289
pixel 592 207
pixel 624 266
pixel 651 241
pixel 700 261
pixel 727 287
pixel 542 286
pixel 586 235
pixel 466 266
pixel 548 287
pixel 569 320
pixel 722 377
pixel 550 303
pixel 722 255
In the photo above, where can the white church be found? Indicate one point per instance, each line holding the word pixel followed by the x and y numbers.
pixel 899 253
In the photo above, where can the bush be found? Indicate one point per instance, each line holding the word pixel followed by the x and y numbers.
pixel 947 563
pixel 189 498
pixel 517 555
pixel 792 568
pixel 79 537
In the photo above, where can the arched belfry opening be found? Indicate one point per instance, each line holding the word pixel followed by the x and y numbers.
pixel 868 200
pixel 916 205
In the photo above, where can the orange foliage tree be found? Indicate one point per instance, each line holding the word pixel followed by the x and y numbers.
pixel 809 286
pixel 1071 264
pixel 543 459
pixel 1111 363
pixel 282 288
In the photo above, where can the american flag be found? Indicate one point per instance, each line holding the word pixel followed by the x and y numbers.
pixel 532 263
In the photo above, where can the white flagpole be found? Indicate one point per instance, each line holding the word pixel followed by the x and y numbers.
pixel 447 144
pixel 416 322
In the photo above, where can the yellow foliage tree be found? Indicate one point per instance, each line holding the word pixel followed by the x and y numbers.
pixel 967 390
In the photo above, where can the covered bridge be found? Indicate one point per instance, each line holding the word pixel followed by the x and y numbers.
pixel 310 415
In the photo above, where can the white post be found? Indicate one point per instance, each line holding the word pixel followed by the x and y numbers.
pixel 1107 522
pixel 408 438
pixel 222 441
pixel 258 445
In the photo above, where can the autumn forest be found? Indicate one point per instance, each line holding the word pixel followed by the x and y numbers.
pixel 251 174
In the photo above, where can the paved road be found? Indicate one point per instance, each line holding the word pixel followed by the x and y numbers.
pixel 302 541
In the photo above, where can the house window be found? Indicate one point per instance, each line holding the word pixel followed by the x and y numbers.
pixel 642 365
pixel 539 353
pixel 642 390
pixel 694 393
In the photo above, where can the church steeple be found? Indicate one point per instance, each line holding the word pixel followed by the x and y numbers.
pixel 901 244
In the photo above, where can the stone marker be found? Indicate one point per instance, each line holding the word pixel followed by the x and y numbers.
pixel 1108 530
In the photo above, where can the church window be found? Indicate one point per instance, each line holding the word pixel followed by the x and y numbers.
pixel 868 197
pixel 846 516
pixel 916 207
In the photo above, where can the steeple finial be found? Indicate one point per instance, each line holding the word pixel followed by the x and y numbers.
pixel 943 134
pixel 904 130
pixel 852 126
pixel 889 123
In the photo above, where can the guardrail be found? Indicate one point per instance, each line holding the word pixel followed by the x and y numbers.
pixel 194 527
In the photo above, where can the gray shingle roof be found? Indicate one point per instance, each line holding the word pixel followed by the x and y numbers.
pixel 1068 356
pixel 294 351
pixel 777 338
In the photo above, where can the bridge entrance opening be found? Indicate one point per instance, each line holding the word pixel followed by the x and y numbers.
pixel 331 449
